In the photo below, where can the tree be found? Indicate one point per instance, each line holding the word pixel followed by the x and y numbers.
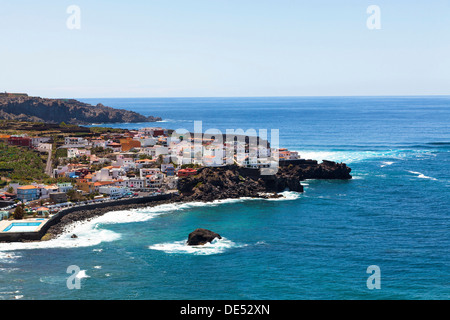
pixel 160 159
pixel 19 212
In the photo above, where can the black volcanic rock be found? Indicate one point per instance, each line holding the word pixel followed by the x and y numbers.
pixel 235 182
pixel 202 236
pixel 70 111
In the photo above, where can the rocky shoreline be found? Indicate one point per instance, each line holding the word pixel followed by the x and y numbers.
pixel 85 215
pixel 228 182
pixel 235 182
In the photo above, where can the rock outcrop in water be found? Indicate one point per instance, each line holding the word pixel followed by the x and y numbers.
pixel 235 182
pixel 70 111
pixel 202 236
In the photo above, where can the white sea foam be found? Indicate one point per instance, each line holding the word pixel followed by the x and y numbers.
pixel 82 274
pixel 8 257
pixel 286 195
pixel 215 247
pixel 386 163
pixel 421 175
pixel 357 156
pixel 341 156
pixel 90 233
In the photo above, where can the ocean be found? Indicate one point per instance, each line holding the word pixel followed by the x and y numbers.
pixel 320 244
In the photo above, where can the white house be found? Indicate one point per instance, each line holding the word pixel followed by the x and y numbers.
pixel 44 147
pixel 113 191
pixel 75 142
pixel 153 131
pixel 98 143
pixel 75 152
pixel 60 170
pixel 116 147
pixel 126 163
pixel 161 150
pixel 146 141
pixel 154 181
pixel 143 172
pixel 135 183
pixel 149 151
pixel 35 141
pixel 64 187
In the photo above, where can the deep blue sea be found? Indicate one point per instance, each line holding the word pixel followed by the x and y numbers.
pixel 394 214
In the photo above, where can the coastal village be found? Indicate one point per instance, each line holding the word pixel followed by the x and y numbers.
pixel 110 165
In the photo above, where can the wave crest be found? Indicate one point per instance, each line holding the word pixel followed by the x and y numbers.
pixel 422 176
pixel 180 247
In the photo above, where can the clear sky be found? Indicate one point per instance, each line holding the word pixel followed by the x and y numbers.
pixel 201 48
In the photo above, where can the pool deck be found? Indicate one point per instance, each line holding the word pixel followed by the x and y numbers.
pixel 5 223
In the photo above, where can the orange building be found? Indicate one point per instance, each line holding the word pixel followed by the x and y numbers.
pixel 129 143
pixel 4 138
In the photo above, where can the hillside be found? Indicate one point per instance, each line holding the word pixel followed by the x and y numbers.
pixel 20 164
pixel 36 109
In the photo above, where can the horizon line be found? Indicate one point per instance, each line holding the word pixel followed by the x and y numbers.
pixel 281 96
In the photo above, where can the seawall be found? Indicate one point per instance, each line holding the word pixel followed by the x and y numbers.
pixel 54 220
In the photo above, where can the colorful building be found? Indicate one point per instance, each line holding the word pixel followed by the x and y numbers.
pixel 20 141
pixel 129 143
pixel 186 172
pixel 27 193
pixel 4 138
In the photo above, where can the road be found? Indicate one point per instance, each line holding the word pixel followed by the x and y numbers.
pixel 47 147
pixel 48 167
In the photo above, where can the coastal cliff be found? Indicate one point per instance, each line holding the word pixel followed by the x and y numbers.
pixel 235 182
pixel 70 111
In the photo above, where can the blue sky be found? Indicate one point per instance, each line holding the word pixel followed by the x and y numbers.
pixel 198 48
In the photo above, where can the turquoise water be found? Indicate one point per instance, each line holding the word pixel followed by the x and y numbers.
pixel 315 245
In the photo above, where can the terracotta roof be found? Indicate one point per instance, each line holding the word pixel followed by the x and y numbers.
pixel 102 183
pixel 145 160
pixel 27 187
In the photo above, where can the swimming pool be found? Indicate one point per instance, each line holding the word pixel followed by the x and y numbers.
pixel 22 227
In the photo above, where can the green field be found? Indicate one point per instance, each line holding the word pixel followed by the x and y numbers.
pixel 21 164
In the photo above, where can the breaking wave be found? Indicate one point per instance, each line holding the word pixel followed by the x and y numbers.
pixel 357 156
pixel 386 163
pixel 215 247
pixel 421 175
